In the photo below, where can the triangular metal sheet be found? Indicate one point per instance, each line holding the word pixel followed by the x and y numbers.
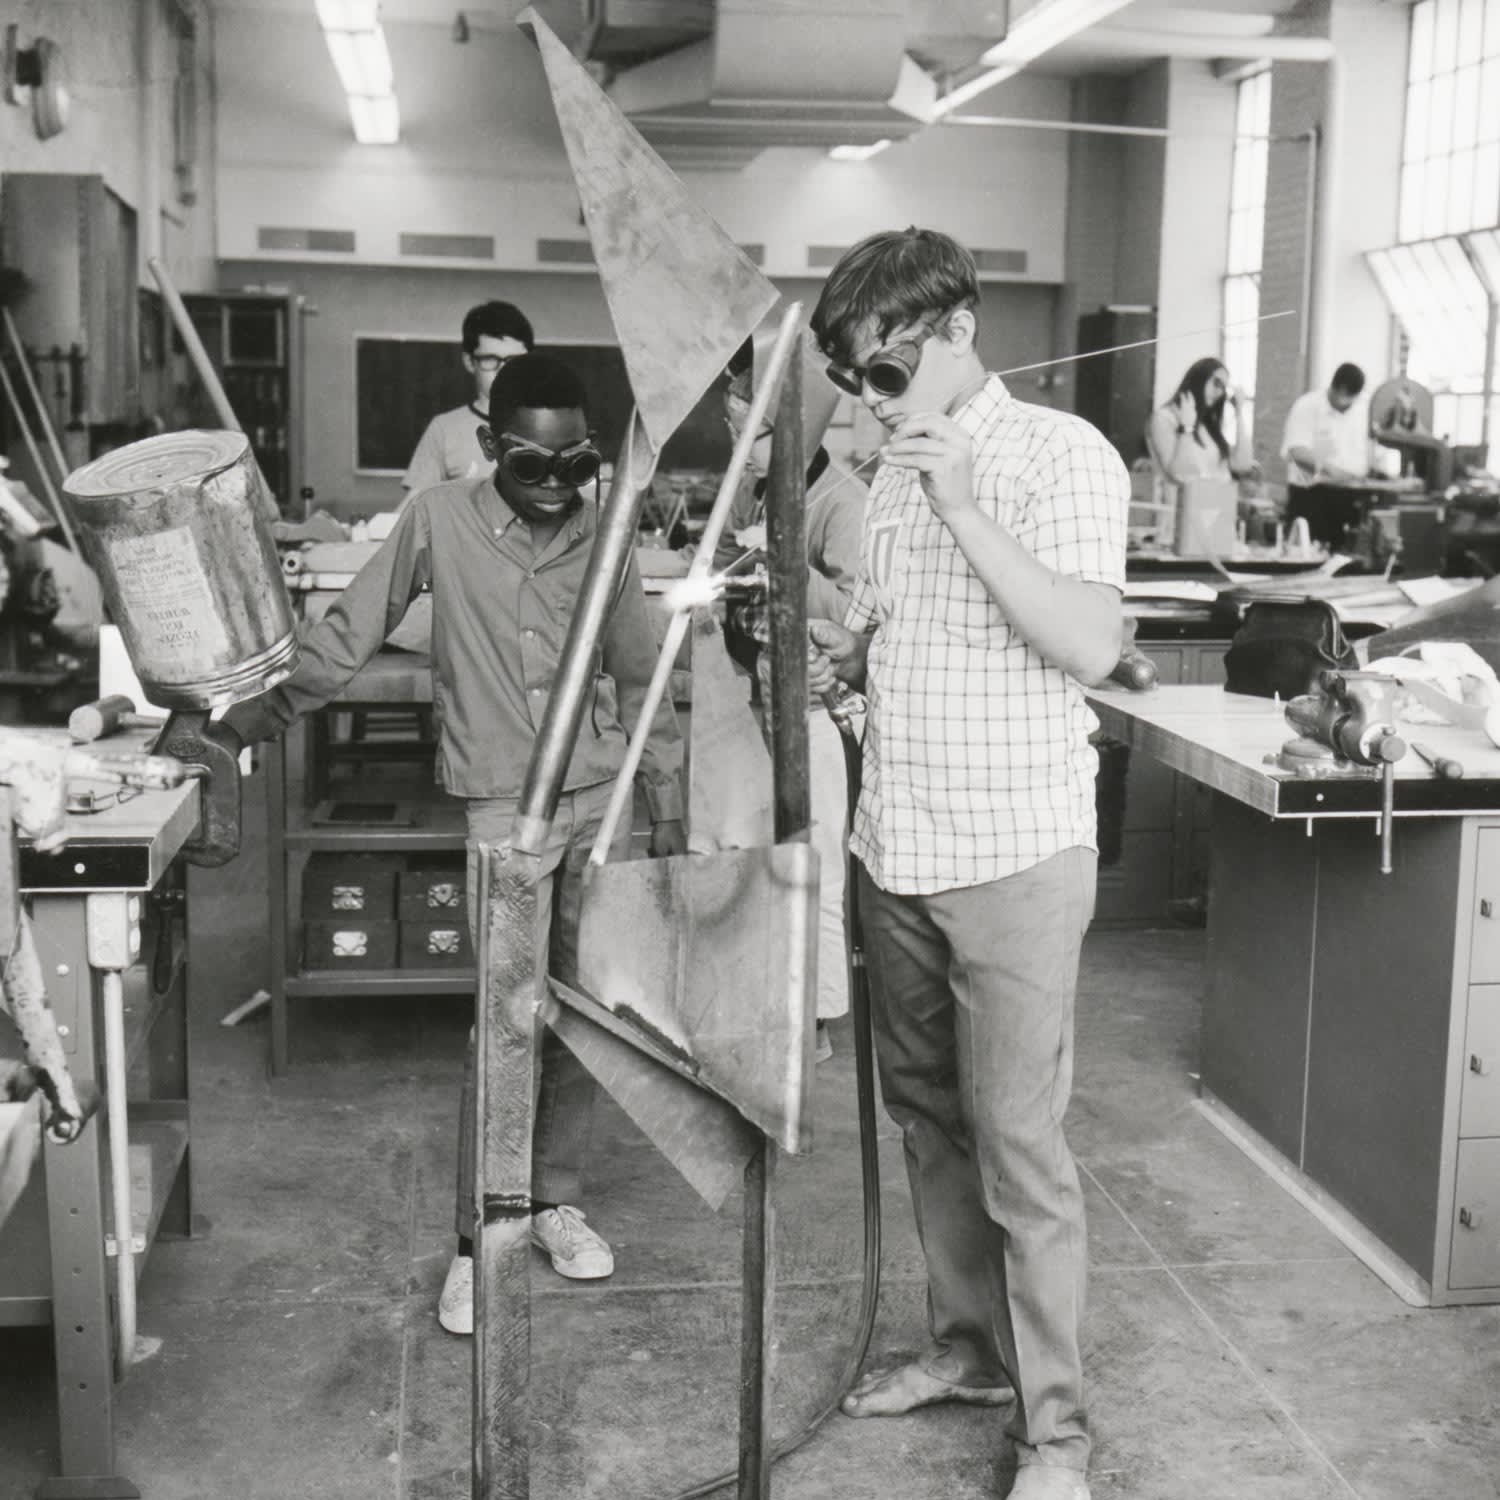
pixel 700 1134
pixel 712 957
pixel 682 295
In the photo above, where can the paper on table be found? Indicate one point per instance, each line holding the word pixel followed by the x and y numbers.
pixel 1191 590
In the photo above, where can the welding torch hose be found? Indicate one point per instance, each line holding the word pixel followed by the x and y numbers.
pixel 869 1153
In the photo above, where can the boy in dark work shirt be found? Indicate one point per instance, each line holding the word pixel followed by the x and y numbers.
pixel 504 558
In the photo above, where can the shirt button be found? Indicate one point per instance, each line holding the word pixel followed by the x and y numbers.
pixel 536 692
pixel 529 634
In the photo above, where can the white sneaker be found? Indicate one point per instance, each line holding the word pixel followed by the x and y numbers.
pixel 576 1251
pixel 456 1305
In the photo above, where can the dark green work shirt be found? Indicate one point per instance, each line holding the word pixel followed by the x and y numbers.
pixel 499 618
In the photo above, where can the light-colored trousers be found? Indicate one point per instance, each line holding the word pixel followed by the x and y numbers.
pixel 565 1089
pixel 972 995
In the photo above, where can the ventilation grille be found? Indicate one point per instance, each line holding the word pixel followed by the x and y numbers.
pixel 455 246
pixel 327 241
pixel 1011 261
pixel 581 252
pixel 1007 262
pixel 565 252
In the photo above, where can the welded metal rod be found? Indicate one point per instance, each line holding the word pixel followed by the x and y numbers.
pixel 186 330
pixel 504 1054
pixel 613 544
pixel 54 500
pixel 757 1315
pixel 703 557
pixel 44 417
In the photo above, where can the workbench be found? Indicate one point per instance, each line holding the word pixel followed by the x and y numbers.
pixel 56 1244
pixel 1351 1020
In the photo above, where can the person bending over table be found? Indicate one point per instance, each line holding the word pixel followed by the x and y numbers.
pixel 1326 445
pixel 989 589
pixel 505 559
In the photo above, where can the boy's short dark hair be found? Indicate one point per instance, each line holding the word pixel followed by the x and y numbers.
pixel 535 381
pixel 1348 378
pixel 896 278
pixel 500 320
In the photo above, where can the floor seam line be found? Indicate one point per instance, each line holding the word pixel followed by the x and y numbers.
pixel 1240 1359
pixel 406 1317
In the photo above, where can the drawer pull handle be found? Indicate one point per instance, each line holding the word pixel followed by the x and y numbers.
pixel 1468 1219
pixel 1486 907
pixel 1478 1065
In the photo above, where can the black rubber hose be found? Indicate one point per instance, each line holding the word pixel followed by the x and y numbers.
pixel 869 1155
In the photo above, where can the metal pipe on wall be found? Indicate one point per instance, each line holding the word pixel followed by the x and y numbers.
pixel 1325 261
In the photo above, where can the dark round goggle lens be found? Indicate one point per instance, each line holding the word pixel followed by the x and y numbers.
pixel 889 375
pixel 579 468
pixel 886 375
pixel 526 467
pixel 529 468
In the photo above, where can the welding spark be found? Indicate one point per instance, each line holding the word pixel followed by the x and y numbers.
pixel 694 592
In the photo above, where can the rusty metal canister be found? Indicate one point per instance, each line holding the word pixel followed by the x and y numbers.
pixel 175 526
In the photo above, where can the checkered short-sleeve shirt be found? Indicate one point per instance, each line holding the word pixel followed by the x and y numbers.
pixel 977 756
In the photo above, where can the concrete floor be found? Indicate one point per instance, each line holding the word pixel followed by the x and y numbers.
pixel 1235 1349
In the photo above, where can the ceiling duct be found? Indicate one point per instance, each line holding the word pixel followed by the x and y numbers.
pixel 820 74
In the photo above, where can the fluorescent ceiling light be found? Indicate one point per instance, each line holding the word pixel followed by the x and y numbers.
pixel 362 61
pixel 858 153
pixel 1046 25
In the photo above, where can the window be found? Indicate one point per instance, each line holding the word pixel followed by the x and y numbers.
pixel 1450 157
pixel 1443 280
pixel 1247 218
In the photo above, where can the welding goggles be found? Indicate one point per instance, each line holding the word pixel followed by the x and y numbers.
pixel 890 372
pixel 531 464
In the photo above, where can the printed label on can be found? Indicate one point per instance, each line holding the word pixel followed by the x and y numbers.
pixel 166 594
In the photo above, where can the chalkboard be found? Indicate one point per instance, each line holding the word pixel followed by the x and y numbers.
pixel 402 383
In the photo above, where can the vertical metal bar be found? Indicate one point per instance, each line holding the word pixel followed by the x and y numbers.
pixel 757 1315
pixel 786 562
pixel 276 816
pixel 112 986
pixel 505 1054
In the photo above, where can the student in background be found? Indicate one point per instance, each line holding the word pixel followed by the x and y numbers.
pixel 1326 445
pixel 493 333
pixel 1187 436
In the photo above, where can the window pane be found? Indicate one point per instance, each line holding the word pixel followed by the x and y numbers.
pixel 1466 108
pixel 1436 199
pixel 1470 30
pixel 1460 193
pixel 1445 36
pixel 1440 119
pixel 1413 196
pixel 1487 185
pixel 1489 97
pixel 1421 40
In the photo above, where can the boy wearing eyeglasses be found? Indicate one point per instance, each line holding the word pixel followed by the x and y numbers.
pixel 493 333
pixel 504 557
pixel 989 591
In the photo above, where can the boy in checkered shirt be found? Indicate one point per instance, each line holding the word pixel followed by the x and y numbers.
pixel 989 590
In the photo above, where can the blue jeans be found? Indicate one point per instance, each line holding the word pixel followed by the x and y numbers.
pixel 972 1006
pixel 565 1090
